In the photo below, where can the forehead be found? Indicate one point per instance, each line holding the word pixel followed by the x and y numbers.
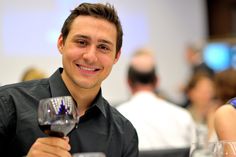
pixel 204 82
pixel 94 27
pixel 143 62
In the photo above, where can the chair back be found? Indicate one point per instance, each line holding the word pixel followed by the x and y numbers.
pixel 175 152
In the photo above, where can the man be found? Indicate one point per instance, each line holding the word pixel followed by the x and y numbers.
pixel 90 44
pixel 159 124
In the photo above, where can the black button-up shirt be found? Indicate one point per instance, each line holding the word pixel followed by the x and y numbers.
pixel 101 129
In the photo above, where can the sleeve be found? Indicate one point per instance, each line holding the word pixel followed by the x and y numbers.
pixel 131 141
pixel 7 122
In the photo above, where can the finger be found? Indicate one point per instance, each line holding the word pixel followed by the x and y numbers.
pixel 50 150
pixel 56 142
pixel 38 153
pixel 66 138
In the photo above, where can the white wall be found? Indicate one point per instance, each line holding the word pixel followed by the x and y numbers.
pixel 29 29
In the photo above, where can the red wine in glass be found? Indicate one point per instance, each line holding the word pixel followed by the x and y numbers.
pixel 57 116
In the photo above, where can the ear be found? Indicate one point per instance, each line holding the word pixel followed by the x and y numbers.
pixel 131 86
pixel 117 56
pixel 60 44
pixel 157 82
pixel 190 94
pixel 129 82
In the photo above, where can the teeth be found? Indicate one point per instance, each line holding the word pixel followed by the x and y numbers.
pixel 86 68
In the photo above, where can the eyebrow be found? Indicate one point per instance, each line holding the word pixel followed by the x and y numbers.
pixel 80 36
pixel 87 37
pixel 106 41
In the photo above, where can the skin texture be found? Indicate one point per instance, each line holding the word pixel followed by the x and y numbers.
pixel 88 55
pixel 50 147
pixel 224 123
pixel 225 115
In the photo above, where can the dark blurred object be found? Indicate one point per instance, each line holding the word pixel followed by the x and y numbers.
pixel 180 152
pixel 202 67
pixel 221 16
pixel 225 83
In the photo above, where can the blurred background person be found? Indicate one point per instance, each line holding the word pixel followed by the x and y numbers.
pixel 33 73
pixel 200 92
pixel 159 123
pixel 194 58
pixel 225 115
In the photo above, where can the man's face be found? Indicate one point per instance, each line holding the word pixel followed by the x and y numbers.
pixel 89 52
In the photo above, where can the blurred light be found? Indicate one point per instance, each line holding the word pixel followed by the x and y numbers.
pixel 217 56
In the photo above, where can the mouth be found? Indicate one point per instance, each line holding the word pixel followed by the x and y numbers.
pixel 88 69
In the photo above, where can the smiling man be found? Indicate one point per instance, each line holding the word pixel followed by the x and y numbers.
pixel 90 44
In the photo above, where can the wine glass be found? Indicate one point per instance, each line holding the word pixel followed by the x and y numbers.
pixel 214 149
pixel 203 149
pixel 57 116
pixel 89 154
pixel 226 149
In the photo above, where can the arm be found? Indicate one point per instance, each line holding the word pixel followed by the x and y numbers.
pixel 47 147
pixel 131 141
pixel 7 123
pixel 225 122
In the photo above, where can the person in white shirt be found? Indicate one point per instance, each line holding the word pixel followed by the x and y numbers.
pixel 159 123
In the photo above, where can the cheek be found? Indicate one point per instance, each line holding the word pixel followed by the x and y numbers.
pixel 196 95
pixel 107 61
pixel 71 54
pixel 67 58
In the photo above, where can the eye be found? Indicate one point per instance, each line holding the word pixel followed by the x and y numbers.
pixel 104 47
pixel 81 43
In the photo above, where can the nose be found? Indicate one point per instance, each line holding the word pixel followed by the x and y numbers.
pixel 90 55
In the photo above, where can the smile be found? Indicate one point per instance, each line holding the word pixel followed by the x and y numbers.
pixel 92 69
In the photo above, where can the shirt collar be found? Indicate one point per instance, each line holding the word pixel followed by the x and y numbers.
pixel 58 88
pixel 99 102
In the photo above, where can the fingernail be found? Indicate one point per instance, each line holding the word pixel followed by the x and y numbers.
pixel 66 138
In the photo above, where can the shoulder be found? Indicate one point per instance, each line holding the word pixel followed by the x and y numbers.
pixel 119 121
pixel 225 122
pixel 225 112
pixel 125 107
pixel 181 115
pixel 25 84
pixel 22 89
pixel 176 109
pixel 118 116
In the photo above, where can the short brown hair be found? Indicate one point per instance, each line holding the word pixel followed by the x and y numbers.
pixel 104 11
pixel 225 82
pixel 195 78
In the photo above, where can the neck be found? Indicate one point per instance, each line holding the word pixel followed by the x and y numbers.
pixel 83 97
pixel 140 88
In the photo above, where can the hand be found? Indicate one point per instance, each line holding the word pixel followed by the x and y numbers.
pixel 50 147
